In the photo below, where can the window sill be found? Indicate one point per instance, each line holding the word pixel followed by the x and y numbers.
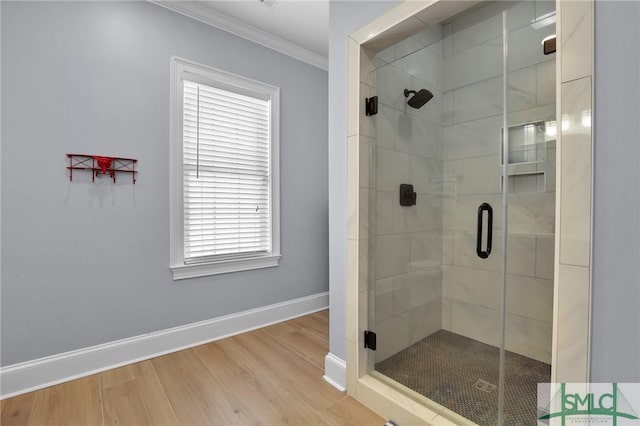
pixel 181 272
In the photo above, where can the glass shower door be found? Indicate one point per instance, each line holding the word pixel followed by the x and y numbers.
pixel 530 159
pixel 461 289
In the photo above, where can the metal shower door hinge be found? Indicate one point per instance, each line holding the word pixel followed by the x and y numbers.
pixel 549 45
pixel 370 340
pixel 371 105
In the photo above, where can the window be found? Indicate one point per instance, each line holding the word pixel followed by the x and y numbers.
pixel 224 172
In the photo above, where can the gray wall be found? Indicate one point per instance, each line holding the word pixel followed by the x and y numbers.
pixel 616 282
pixel 615 342
pixel 345 17
pixel 84 264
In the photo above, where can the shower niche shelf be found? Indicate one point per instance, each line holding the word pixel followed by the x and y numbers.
pixel 531 156
pixel 527 182
pixel 529 142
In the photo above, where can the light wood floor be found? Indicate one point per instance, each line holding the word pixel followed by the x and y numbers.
pixel 271 376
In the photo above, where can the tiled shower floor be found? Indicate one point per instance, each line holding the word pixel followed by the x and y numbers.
pixel 445 366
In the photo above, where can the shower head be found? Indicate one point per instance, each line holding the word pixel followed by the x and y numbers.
pixel 419 98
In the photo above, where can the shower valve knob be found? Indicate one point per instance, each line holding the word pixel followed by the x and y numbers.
pixel 408 196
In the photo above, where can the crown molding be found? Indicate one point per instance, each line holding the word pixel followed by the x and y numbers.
pixel 238 28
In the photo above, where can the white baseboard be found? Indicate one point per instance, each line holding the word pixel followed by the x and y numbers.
pixel 335 372
pixel 40 373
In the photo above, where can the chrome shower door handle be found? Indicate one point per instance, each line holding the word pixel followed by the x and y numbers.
pixel 483 254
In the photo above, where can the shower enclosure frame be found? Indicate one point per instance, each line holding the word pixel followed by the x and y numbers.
pixel 573 215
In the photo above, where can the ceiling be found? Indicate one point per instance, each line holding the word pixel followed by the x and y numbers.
pixel 303 22
pixel 299 28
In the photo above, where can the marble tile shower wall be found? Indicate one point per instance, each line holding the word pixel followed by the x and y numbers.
pixel 427 275
pixel 408 149
pixel 471 165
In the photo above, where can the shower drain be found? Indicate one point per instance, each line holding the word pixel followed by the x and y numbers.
pixel 484 386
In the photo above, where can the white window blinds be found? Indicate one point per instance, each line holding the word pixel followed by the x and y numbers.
pixel 226 166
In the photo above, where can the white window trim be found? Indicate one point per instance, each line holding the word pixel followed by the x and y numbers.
pixel 217 77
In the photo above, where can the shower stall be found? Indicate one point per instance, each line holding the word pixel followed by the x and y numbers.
pixel 457 208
